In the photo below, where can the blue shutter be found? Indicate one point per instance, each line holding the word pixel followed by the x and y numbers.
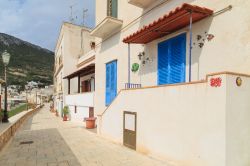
pixel 107 96
pixel 172 60
pixel 111 81
pixel 177 62
pixel 163 67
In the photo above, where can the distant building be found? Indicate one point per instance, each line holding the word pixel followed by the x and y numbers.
pixel 31 85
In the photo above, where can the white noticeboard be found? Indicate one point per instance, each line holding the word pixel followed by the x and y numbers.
pixel 130 122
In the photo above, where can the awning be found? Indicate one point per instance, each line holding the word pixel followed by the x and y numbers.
pixel 82 72
pixel 169 23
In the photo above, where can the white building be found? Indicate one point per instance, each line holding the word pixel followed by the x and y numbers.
pixel 73 42
pixel 188 102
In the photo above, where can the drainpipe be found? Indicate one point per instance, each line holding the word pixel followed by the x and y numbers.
pixel 128 65
pixel 190 45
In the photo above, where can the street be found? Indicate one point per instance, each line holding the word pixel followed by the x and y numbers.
pixel 45 140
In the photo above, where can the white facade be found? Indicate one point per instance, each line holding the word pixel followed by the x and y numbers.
pixel 188 123
pixel 79 105
pixel 73 41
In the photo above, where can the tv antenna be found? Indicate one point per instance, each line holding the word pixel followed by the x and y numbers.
pixel 84 15
pixel 72 19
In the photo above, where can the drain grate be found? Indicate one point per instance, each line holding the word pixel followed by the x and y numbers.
pixel 26 142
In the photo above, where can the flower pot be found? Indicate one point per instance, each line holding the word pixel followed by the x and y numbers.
pixel 90 122
pixel 65 118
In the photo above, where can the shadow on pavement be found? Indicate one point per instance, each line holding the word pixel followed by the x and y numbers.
pixel 38 147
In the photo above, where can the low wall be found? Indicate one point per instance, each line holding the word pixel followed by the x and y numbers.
pixel 187 124
pixel 82 99
pixel 79 105
pixel 6 135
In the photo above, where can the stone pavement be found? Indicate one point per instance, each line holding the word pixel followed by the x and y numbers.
pixel 45 140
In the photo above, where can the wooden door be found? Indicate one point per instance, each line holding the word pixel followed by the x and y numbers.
pixel 129 129
pixel 91 112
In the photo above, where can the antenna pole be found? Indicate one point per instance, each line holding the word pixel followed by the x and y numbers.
pixel 71 14
pixel 84 16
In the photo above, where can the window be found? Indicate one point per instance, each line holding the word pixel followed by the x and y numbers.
pixel 112 8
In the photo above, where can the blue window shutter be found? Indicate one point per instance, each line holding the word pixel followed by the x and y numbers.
pixel 172 60
pixel 107 96
pixel 163 67
pixel 111 81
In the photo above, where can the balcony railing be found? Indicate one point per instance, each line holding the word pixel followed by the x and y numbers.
pixel 132 86
pixel 81 99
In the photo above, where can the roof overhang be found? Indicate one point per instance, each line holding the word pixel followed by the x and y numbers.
pixel 107 27
pixel 169 23
pixel 90 69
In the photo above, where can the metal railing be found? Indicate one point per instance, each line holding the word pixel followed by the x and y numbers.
pixel 132 86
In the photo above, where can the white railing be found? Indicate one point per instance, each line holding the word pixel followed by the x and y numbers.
pixel 82 99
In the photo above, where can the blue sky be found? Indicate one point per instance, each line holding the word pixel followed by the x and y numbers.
pixel 39 21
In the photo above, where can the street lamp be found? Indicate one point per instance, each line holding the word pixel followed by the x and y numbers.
pixel 6 60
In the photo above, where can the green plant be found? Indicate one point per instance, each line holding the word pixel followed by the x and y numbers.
pixel 16 110
pixel 135 67
pixel 65 110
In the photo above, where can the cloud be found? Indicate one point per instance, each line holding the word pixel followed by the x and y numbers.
pixel 39 21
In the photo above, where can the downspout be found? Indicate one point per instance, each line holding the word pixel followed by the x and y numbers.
pixel 190 46
pixel 128 65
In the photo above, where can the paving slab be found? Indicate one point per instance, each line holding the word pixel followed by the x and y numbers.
pixel 45 140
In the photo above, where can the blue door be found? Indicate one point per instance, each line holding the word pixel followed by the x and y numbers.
pixel 111 81
pixel 172 60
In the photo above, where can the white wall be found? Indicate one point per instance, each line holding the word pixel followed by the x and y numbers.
pixel 84 99
pixel 79 114
pixel 238 122
pixel 188 125
pixel 82 102
pixel 228 51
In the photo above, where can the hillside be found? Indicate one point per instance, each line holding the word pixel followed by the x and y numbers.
pixel 28 62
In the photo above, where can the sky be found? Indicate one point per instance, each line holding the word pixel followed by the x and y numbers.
pixel 39 21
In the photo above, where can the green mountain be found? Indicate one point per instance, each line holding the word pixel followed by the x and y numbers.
pixel 28 62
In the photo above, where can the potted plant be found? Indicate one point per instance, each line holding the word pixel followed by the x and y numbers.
pixel 90 122
pixel 65 113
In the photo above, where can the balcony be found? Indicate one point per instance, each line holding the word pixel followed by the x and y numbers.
pixel 107 27
pixel 141 3
pixel 86 59
pixel 80 99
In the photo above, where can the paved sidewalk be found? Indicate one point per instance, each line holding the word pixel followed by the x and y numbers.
pixel 45 140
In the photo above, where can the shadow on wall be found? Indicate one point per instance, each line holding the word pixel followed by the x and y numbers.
pixel 110 42
pixel 200 40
